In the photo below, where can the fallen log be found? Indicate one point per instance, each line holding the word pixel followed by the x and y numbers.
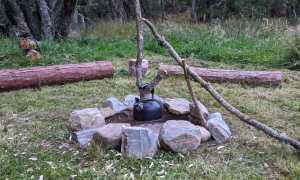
pixel 253 78
pixel 54 75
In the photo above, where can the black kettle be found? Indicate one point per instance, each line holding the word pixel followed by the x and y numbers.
pixel 147 110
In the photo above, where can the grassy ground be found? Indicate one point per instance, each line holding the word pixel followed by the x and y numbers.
pixel 34 139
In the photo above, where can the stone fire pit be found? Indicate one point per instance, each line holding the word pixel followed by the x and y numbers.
pixel 112 126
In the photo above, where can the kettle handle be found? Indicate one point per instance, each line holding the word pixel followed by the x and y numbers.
pixel 152 92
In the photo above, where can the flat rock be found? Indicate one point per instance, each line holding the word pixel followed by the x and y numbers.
pixel 107 112
pixel 86 119
pixel 114 104
pixel 155 127
pixel 178 106
pixel 84 137
pixel 110 135
pixel 138 142
pixel 180 136
pixel 218 128
pixel 205 134
pixel 125 116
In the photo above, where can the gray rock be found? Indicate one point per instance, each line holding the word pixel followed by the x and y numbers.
pixel 178 106
pixel 86 119
pixel 139 142
pixel 107 112
pixel 125 116
pixel 218 128
pixel 84 137
pixel 114 104
pixel 110 135
pixel 129 101
pixel 194 112
pixel 155 127
pixel 180 136
pixel 205 134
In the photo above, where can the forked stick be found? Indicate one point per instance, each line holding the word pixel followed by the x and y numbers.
pixel 248 120
pixel 145 89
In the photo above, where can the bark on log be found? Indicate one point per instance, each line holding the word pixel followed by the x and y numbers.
pixel 253 78
pixel 53 75
pixel 215 94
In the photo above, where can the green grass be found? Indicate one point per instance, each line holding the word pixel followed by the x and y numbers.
pixel 233 42
pixel 34 140
pixel 34 136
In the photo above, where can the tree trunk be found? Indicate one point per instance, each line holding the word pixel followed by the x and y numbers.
pixel 194 10
pixel 53 75
pixel 37 19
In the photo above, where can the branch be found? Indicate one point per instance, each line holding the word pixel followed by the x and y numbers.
pixel 144 89
pixel 140 46
pixel 260 126
pixel 200 113
pixel 159 77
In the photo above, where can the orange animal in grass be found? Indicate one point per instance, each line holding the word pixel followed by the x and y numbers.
pixel 26 43
pixel 33 55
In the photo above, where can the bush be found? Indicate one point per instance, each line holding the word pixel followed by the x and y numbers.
pixel 291 55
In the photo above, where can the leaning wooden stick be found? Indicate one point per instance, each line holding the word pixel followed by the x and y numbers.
pixel 260 126
pixel 203 120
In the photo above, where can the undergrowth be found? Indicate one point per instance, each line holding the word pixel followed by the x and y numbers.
pixel 260 42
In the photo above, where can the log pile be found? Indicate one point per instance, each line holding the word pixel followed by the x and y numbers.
pixel 54 75
pixel 253 78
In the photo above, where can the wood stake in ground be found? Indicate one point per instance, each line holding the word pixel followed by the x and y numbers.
pixel 248 120
pixel 145 90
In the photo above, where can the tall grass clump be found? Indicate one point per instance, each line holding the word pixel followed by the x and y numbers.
pixel 291 56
